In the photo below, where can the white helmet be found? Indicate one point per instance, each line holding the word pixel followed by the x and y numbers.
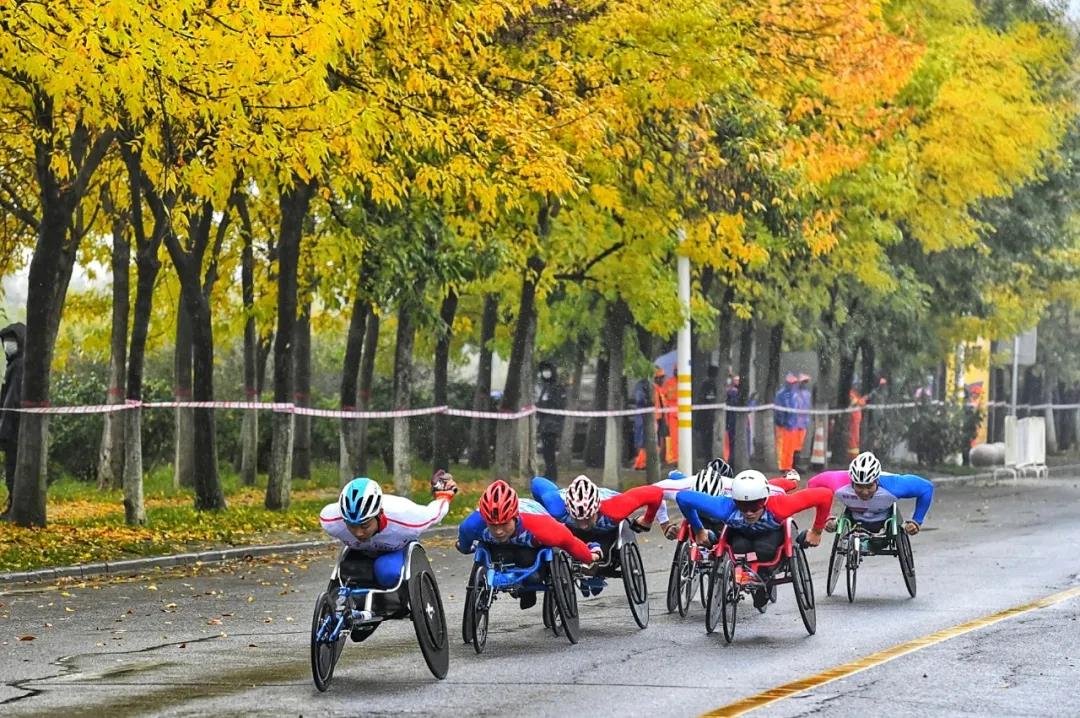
pixel 582 498
pixel 792 475
pixel 750 485
pixel 865 469
pixel 709 481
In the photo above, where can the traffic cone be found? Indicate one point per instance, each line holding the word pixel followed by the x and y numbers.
pixel 817 455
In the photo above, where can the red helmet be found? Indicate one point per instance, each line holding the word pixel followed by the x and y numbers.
pixel 499 503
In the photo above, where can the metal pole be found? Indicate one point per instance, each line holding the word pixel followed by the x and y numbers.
pixel 1015 371
pixel 686 431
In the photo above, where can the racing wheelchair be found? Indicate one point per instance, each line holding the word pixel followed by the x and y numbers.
pixel 354 606
pixel 854 541
pixel 691 567
pixel 496 571
pixel 735 576
pixel 622 559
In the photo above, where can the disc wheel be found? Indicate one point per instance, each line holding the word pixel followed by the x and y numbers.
pixel 470 603
pixel 803 583
pixel 324 654
pixel 428 616
pixel 907 560
pixel 633 576
pixel 851 562
pixel 836 565
pixel 562 585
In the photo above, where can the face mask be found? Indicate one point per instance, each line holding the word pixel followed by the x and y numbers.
pixel 10 346
pixel 545 374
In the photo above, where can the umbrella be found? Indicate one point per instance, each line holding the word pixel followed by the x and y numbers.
pixel 667 362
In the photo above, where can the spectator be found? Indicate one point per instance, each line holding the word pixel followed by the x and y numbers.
pixel 784 421
pixel 804 399
pixel 550 426
pixel 13 338
pixel 646 394
pixel 670 390
pixel 706 418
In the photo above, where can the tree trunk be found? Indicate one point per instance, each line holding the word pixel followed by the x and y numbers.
pixel 646 344
pixel 525 448
pixel 367 377
pixel 406 332
pixel 770 340
pixel 249 442
pixel 301 468
pixel 479 429
pixel 111 456
pixel 441 452
pixel 294 203
pixel 739 454
pixel 594 437
pixel 566 441
pixel 354 346
pixel 184 432
pixel 47 285
pixel 208 491
pixel 507 443
pixel 838 438
pixel 614 329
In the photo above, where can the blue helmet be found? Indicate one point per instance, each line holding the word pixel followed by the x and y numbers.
pixel 360 500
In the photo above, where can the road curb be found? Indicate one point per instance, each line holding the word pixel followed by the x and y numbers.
pixel 987 478
pixel 137 566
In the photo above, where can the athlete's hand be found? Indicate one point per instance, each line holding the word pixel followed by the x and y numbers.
pixel 830 525
pixel 813 537
pixel 638 526
pixel 670 530
pixel 442 483
pixel 912 528
pixel 701 538
pixel 597 553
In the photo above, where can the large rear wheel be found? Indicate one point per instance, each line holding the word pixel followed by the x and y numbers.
pixel 907 559
pixel 836 565
pixel 633 576
pixel 563 586
pixel 428 616
pixel 803 583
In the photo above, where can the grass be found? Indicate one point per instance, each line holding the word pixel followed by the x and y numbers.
pixel 87 525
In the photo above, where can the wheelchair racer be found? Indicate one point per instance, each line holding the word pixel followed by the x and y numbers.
pixel 585 507
pixel 869 494
pixel 377 528
pixel 715 480
pixel 755 518
pixel 500 523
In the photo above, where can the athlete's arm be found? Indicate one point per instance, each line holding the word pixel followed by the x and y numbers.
pixel 332 523
pixel 549 532
pixel 694 503
pixel 470 531
pixel 784 506
pixel 831 480
pixel 620 506
pixel 909 486
pixel 547 493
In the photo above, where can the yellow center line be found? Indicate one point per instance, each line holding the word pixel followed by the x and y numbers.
pixel 876 659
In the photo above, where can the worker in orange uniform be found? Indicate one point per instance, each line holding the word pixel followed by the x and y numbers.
pixel 647 393
pixel 670 391
pixel 855 422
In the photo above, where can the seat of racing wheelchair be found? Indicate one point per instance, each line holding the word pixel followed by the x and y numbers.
pixel 357 570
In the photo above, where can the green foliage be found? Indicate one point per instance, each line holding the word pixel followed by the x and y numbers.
pixel 937 431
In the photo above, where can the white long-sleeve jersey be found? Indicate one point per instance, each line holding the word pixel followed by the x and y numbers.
pixel 672 486
pixel 404 522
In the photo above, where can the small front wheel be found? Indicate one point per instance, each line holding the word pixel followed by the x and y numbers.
pixel 325 652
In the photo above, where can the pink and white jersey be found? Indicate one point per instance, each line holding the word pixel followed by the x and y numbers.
pixel 404 522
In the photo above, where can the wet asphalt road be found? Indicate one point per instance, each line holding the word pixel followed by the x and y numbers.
pixel 233 639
